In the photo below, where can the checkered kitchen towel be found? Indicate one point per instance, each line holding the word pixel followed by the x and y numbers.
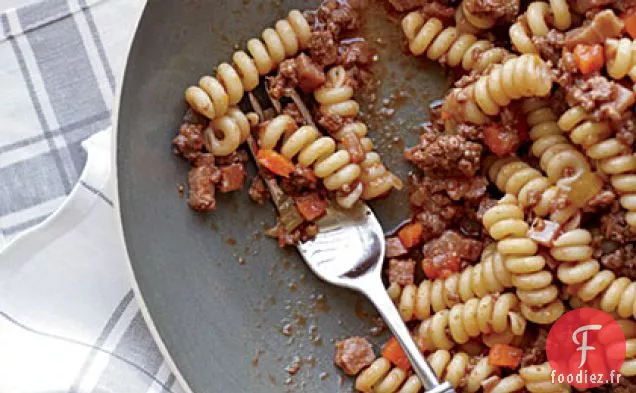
pixel 68 318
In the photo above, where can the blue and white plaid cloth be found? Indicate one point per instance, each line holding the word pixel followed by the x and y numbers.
pixel 68 318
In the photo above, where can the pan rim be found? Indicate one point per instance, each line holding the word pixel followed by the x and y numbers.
pixel 145 312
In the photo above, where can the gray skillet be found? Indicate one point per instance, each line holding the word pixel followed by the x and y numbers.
pixel 228 308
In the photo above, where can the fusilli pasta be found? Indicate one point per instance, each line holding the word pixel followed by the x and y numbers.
pixel 538 379
pixel 583 273
pixel 335 98
pixel 431 37
pixel 523 76
pixel 310 148
pixel 492 314
pixel 621 58
pixel 613 157
pixel 539 296
pixel 380 377
pixel 213 95
pixel 489 276
pixel 234 128
pixel 534 23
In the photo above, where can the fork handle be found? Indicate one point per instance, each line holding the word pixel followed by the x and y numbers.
pixel 379 297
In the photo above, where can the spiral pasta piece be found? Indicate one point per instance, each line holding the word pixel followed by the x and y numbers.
pixel 583 274
pixel 613 157
pixel 621 58
pixel 380 377
pixel 538 379
pixel 489 276
pixel 629 331
pixel 213 95
pixel 539 296
pixel 523 76
pixel 310 149
pixel 456 47
pixel 472 22
pixel 492 314
pixel 224 134
pixel 335 97
pixel 535 23
pixel 533 190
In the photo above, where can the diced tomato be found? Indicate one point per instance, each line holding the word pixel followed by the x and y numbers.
pixel 411 234
pixel 441 265
pixel 275 162
pixel 629 18
pixel 500 141
pixel 444 115
pixel 311 206
pixel 589 58
pixel 394 353
pixel 503 355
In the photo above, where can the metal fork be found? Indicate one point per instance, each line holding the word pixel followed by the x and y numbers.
pixel 348 251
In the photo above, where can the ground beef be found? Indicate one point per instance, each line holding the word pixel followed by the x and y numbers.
pixel 626 385
pixel 202 179
pixel 330 122
pixel 351 143
pixel 292 110
pixel 309 74
pixel 505 10
pixel 337 16
pixel 323 48
pixel 357 53
pixel 622 100
pixel 589 92
pixel 534 345
pixel 471 132
pixel 395 248
pixel 300 71
pixel 232 177
pixel 614 226
pixel 626 129
pixel 582 6
pixel 434 9
pixel 305 232
pixel 622 261
pixel 300 180
pixel 258 191
pixel 550 45
pixel 353 354
pixel 453 242
pixel 401 271
pixel 407 5
pixel 604 25
pixel 189 142
pixel 238 157
pixel 446 154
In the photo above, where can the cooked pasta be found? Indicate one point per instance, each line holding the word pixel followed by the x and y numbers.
pixel 456 47
pixel 335 98
pixel 629 331
pixel 613 157
pixel 311 149
pixel 472 22
pixel 213 95
pixel 489 276
pixel 492 314
pixel 234 128
pixel 538 379
pixel 539 296
pixel 523 76
pixel 621 58
pixel 534 23
pixel 381 377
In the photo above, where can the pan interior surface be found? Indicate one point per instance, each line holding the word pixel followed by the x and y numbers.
pixel 232 308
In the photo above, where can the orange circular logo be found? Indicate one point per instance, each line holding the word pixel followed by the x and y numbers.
pixel 586 349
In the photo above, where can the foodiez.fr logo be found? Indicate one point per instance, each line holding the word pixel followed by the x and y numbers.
pixel 586 348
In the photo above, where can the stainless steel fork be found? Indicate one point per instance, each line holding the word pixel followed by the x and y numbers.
pixel 348 251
